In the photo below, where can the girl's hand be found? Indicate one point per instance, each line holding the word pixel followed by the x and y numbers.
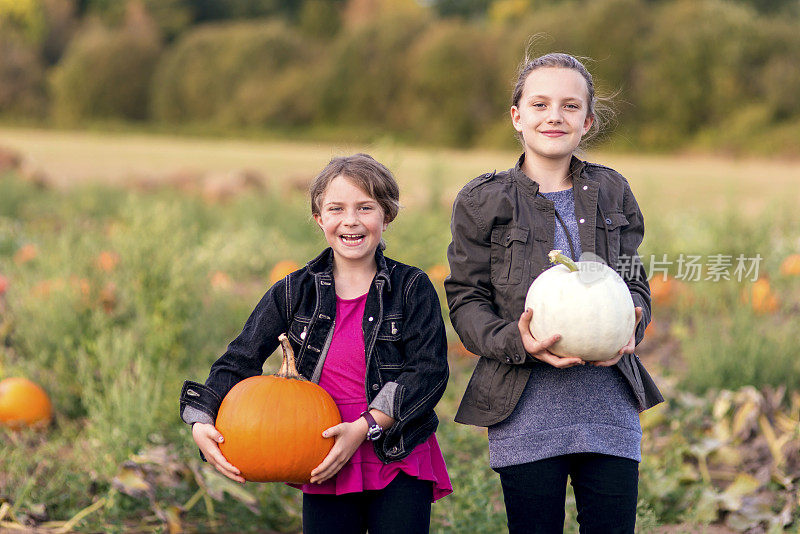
pixel 348 436
pixel 208 439
pixel 629 347
pixel 538 349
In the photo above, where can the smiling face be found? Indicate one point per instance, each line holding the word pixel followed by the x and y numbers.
pixel 352 221
pixel 552 114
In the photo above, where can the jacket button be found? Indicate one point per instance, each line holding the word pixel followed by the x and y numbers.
pixel 370 319
pixel 375 387
pixel 394 450
pixel 608 221
pixel 582 221
pixel 508 360
pixel 585 187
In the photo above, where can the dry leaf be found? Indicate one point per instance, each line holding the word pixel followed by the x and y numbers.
pixel 743 485
pixel 131 481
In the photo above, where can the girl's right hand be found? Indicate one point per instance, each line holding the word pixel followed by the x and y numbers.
pixel 208 439
pixel 538 349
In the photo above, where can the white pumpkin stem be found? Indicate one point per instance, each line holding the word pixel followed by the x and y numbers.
pixel 288 368
pixel 557 257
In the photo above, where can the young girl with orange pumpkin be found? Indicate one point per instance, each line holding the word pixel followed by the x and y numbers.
pixel 550 417
pixel 369 331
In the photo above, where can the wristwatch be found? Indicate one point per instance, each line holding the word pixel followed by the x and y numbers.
pixel 374 431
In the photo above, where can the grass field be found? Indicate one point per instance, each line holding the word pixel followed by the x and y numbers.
pixel 118 290
pixel 663 184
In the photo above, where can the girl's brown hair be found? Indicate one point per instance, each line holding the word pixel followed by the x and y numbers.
pixel 363 171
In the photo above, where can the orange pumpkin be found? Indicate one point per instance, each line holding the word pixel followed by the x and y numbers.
pixel 762 298
pixel 791 265
pixel 281 269
pixel 221 281
pixel 651 330
pixel 23 403
pixel 273 425
pixel 107 261
pixel 663 290
pixel 25 254
pixel 438 273
pixel 457 348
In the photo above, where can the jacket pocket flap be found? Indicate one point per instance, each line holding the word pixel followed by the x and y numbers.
pixel 391 329
pixel 505 235
pixel 612 221
pixel 298 330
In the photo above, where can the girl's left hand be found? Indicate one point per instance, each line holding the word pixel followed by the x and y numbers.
pixel 627 349
pixel 348 436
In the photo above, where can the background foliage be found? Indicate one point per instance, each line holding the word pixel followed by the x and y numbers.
pixel 712 74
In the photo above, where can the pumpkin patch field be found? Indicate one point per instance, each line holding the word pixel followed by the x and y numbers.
pixel 112 292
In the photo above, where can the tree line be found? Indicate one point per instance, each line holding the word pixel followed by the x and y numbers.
pixel 713 74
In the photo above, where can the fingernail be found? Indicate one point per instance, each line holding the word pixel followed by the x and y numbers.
pixel 220 439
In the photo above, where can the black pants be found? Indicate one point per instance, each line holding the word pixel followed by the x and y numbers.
pixel 402 507
pixel 606 490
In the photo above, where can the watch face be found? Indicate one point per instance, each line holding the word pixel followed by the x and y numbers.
pixel 374 432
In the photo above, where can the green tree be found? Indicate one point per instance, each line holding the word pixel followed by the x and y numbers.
pixel 237 73
pixel 22 81
pixel 454 84
pixel 105 74
pixel 366 72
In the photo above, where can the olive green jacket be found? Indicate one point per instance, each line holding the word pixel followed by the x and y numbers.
pixel 502 230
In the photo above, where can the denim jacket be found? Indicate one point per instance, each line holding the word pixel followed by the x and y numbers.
pixel 502 230
pixel 404 339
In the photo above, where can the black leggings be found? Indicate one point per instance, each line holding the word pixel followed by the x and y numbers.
pixel 402 507
pixel 606 490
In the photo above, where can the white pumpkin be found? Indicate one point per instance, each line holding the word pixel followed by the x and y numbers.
pixel 587 303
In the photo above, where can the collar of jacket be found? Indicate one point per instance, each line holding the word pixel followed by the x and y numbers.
pixel 586 190
pixel 322 266
pixel 530 186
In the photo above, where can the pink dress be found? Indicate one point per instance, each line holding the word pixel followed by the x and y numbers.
pixel 343 377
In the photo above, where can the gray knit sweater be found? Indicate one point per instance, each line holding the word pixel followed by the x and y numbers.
pixel 565 411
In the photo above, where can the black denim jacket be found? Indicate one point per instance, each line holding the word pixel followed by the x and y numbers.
pixel 404 338
pixel 502 231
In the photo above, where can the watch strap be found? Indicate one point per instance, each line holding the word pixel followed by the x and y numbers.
pixel 374 430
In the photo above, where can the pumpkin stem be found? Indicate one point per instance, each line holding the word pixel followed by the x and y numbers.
pixel 288 369
pixel 557 257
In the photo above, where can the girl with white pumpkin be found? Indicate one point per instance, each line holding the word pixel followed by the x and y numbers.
pixel 548 416
pixel 369 331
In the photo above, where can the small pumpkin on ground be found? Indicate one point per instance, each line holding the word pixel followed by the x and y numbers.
pixel 281 269
pixel 438 273
pixel 790 266
pixel 23 404
pixel 273 424
pixel 761 297
pixel 587 303
pixel 664 290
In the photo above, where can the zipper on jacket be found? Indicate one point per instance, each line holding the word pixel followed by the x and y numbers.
pixel 323 354
pixel 369 346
